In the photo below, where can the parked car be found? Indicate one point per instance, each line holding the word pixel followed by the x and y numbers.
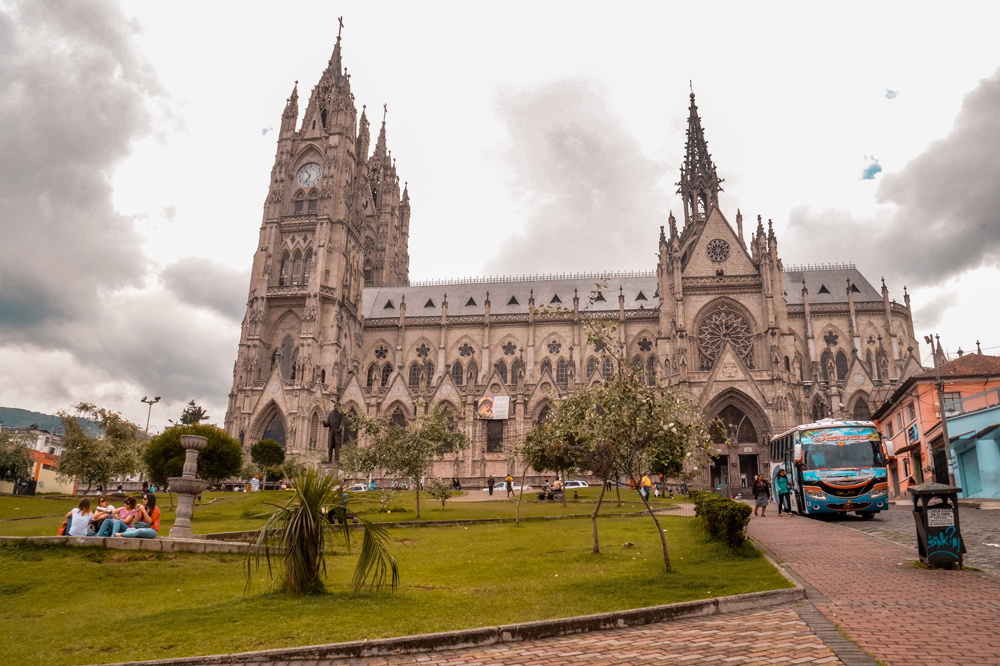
pixel 501 487
pixel 576 484
pixel 357 488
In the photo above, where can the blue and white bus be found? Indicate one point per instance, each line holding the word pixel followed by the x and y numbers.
pixel 834 467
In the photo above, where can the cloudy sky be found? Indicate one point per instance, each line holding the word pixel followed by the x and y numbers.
pixel 136 143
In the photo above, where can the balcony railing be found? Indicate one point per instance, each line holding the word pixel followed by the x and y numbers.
pixel 972 403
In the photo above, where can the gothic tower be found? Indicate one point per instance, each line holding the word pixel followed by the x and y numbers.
pixel 333 220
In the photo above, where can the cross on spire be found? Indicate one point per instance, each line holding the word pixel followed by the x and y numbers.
pixel 340 19
pixel 385 112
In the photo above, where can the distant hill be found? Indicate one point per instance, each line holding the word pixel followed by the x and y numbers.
pixel 12 417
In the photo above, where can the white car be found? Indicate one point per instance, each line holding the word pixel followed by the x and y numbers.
pixel 576 484
pixel 357 488
pixel 501 487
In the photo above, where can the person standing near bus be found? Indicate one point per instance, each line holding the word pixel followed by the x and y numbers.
pixel 762 495
pixel 784 494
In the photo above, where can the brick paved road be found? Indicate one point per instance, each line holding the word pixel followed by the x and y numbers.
pixel 980 527
pixel 774 636
pixel 901 614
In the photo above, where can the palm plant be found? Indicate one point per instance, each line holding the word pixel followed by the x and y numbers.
pixel 295 535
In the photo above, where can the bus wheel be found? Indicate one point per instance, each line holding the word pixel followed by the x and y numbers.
pixel 866 515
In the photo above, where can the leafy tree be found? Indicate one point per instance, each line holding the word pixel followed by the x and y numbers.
pixel 221 458
pixel 193 414
pixel 267 453
pixel 116 452
pixel 295 534
pixel 404 451
pixel 440 490
pixel 15 457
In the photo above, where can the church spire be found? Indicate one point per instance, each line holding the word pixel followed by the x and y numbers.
pixel 336 67
pixel 291 113
pixel 700 185
pixel 380 144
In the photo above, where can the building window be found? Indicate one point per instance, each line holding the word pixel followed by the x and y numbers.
pixel 414 375
pixel 841 366
pixel 953 403
pixel 456 373
pixel 313 430
pixel 889 429
pixel 911 414
pixel 516 367
pixel 386 373
pixel 651 371
pixel 788 365
pixel 313 202
pixel 297 268
pixel 502 369
pixel 283 273
pixel 300 203
pixel 546 366
pixel 861 410
pixel 398 418
pixel 472 373
pixel 608 368
pixel 543 414
pixel 591 367
pixel 372 374
pixel 719 328
pixel 286 357
pixel 494 436
pixel 562 371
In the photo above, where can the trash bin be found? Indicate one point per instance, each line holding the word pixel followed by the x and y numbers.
pixel 939 535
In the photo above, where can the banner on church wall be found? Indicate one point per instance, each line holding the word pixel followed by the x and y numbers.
pixel 496 408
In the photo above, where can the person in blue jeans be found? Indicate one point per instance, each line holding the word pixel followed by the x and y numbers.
pixel 784 492
pixel 147 521
pixel 121 519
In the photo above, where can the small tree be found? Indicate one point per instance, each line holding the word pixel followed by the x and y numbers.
pixel 116 452
pixel 403 451
pixel 15 457
pixel 267 453
pixel 193 414
pixel 440 490
pixel 221 458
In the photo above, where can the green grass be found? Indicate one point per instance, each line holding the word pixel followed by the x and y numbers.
pixel 233 512
pixel 452 578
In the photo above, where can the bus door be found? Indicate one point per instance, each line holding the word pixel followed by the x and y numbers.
pixel 794 473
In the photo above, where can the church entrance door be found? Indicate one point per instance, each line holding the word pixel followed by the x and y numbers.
pixel 719 474
pixel 748 468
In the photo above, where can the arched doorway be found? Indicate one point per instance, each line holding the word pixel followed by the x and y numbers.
pixel 742 434
pixel 275 430
pixel 740 429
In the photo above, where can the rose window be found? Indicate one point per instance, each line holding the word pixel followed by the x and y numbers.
pixel 465 350
pixel 554 347
pixel 381 352
pixel 509 349
pixel 369 245
pixel 717 249
pixel 721 327
pixel 422 350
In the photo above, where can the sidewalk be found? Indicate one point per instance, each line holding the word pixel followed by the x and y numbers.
pixel 902 614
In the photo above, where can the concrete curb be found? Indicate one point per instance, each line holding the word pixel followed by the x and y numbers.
pixel 238 536
pixel 509 633
pixel 160 545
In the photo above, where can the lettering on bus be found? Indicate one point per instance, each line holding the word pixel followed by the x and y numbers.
pixel 837 435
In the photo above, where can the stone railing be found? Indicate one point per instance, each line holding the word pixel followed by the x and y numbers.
pixel 288 290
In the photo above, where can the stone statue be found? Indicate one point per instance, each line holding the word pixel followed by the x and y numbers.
pixel 338 425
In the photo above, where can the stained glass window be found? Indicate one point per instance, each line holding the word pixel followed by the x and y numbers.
pixel 720 327
pixel 457 375
pixel 562 374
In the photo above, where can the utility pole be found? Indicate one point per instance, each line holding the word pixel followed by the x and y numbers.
pixel 939 385
pixel 150 413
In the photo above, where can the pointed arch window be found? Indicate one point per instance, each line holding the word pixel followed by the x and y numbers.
pixel 386 373
pixel 398 418
pixel 313 430
pixel 275 430
pixel 788 365
pixel 868 363
pixel 284 272
pixel 414 375
pixel 546 366
pixel 322 376
pixel 300 202
pixel 502 369
pixel 368 273
pixel 372 375
pixel 818 410
pixel 841 366
pixel 286 357
pixel 543 414
pixel 562 371
pixel 607 368
pixel 295 362
pixel 297 267
pixel 308 267
pixel 313 204
pixel 591 367
pixel 457 374
pixel 862 412
pixel 651 371
pixel 472 373
pixel 516 367
pixel 825 361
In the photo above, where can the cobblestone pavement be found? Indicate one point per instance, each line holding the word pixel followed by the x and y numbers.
pixel 773 636
pixel 979 528
pixel 900 613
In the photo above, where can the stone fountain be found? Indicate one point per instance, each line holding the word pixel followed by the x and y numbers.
pixel 187 486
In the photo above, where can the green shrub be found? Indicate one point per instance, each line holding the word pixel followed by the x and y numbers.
pixel 725 520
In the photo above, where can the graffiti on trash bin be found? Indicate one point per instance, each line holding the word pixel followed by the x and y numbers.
pixel 945 542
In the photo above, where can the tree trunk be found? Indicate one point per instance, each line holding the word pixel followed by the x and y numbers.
pixel 618 491
pixel 562 477
pixel 659 530
pixel 418 502
pixel 593 517
pixel 517 512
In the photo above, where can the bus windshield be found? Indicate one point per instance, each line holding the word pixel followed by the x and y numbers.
pixel 850 447
pixel 850 455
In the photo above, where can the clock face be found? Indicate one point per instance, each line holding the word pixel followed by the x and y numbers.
pixel 309 175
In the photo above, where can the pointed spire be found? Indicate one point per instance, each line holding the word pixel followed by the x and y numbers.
pixel 380 151
pixel 336 66
pixel 292 105
pixel 406 193
pixel 673 225
pixel 700 184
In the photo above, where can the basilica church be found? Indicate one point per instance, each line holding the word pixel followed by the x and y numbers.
pixel 333 318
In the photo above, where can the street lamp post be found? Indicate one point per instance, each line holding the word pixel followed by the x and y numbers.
pixel 150 413
pixel 944 419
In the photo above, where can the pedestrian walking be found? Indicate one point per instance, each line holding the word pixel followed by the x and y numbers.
pixel 762 495
pixel 784 493
pixel 490 482
pixel 510 485
pixel 645 486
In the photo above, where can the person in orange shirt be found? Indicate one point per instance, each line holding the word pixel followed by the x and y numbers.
pixel 147 521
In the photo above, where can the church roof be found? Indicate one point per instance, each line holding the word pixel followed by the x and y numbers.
pixel 827 283
pixel 509 295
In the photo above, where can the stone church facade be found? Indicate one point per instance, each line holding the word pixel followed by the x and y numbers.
pixel 332 317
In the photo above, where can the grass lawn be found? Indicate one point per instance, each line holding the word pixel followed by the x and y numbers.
pixel 53 600
pixel 235 511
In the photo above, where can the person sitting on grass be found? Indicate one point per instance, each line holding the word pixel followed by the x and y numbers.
pixel 78 520
pixel 121 519
pixel 147 521
pixel 102 514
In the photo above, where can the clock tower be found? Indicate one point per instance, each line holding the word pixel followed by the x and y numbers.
pixel 334 220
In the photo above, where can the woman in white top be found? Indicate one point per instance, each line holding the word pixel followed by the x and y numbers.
pixel 78 520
